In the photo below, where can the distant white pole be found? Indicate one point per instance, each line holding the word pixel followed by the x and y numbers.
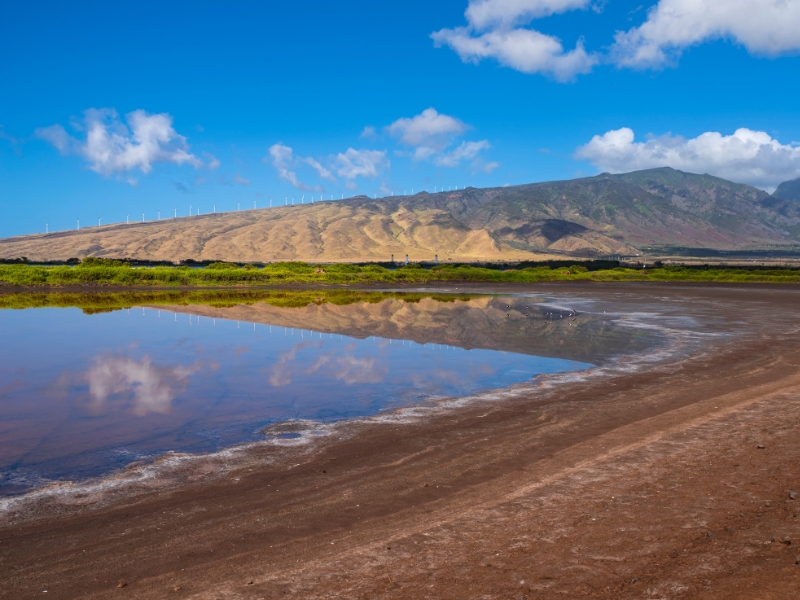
pixel 215 209
pixel 176 213
pixel 127 219
pixel 47 227
pixel 159 215
pixel 238 205
pixel 142 217
pixel 79 225
pixel 190 210
pixel 254 204
pixel 303 200
pixel 98 222
pixel 342 197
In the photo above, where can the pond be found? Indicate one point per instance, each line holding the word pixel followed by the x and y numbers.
pixel 90 383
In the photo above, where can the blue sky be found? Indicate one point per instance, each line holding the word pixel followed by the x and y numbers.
pixel 111 110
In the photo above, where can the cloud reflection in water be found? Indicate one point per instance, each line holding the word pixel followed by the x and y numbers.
pixel 146 387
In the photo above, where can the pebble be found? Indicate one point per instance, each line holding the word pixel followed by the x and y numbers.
pixel 792 495
pixel 760 446
pixel 787 539
pixel 797 560
pixel 121 584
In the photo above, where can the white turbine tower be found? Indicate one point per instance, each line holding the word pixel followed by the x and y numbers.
pixel 47 227
pixel 176 213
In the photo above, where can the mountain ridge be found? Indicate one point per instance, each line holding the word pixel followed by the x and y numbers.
pixel 591 216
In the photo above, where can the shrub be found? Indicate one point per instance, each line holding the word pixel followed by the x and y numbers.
pixel 222 265
pixel 95 261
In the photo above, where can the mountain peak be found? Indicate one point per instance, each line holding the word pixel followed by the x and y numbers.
pixel 788 190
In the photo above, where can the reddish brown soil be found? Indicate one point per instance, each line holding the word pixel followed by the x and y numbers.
pixel 639 485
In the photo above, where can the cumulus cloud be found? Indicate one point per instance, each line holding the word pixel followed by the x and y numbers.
pixel 430 133
pixel 145 387
pixel 493 31
pixel 768 27
pixel 429 130
pixel 746 156
pixel 241 180
pixel 361 163
pixel 112 147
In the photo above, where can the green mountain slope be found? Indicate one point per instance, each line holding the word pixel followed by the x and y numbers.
pixel 788 190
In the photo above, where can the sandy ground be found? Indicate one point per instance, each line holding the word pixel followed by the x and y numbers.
pixel 673 481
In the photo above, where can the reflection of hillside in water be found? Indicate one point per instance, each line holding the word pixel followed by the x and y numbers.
pixel 509 324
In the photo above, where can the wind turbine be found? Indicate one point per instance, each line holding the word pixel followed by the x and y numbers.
pixel 127 219
pixel 176 213
pixel 98 222
pixel 142 217
pixel 79 224
pixel 47 227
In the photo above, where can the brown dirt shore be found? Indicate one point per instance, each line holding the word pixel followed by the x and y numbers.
pixel 646 484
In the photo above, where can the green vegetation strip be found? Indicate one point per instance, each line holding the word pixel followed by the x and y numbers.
pixel 93 271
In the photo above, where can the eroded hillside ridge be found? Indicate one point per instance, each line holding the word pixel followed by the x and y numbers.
pixel 602 215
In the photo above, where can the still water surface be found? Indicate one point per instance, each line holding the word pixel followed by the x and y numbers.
pixel 85 390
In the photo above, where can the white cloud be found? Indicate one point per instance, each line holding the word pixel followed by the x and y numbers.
pixel 213 161
pixel 282 158
pixel 430 133
pixel 361 163
pixel 322 171
pixel 768 27
pixel 430 130
pixel 241 180
pixel 493 32
pixel 282 369
pixel 368 133
pixel 479 165
pixel 466 151
pixel 746 156
pixel 146 387
pixel 482 14
pixel 112 147
pixel 359 370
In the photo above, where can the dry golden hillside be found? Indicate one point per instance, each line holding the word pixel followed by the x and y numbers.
pixel 326 231
pixel 607 214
